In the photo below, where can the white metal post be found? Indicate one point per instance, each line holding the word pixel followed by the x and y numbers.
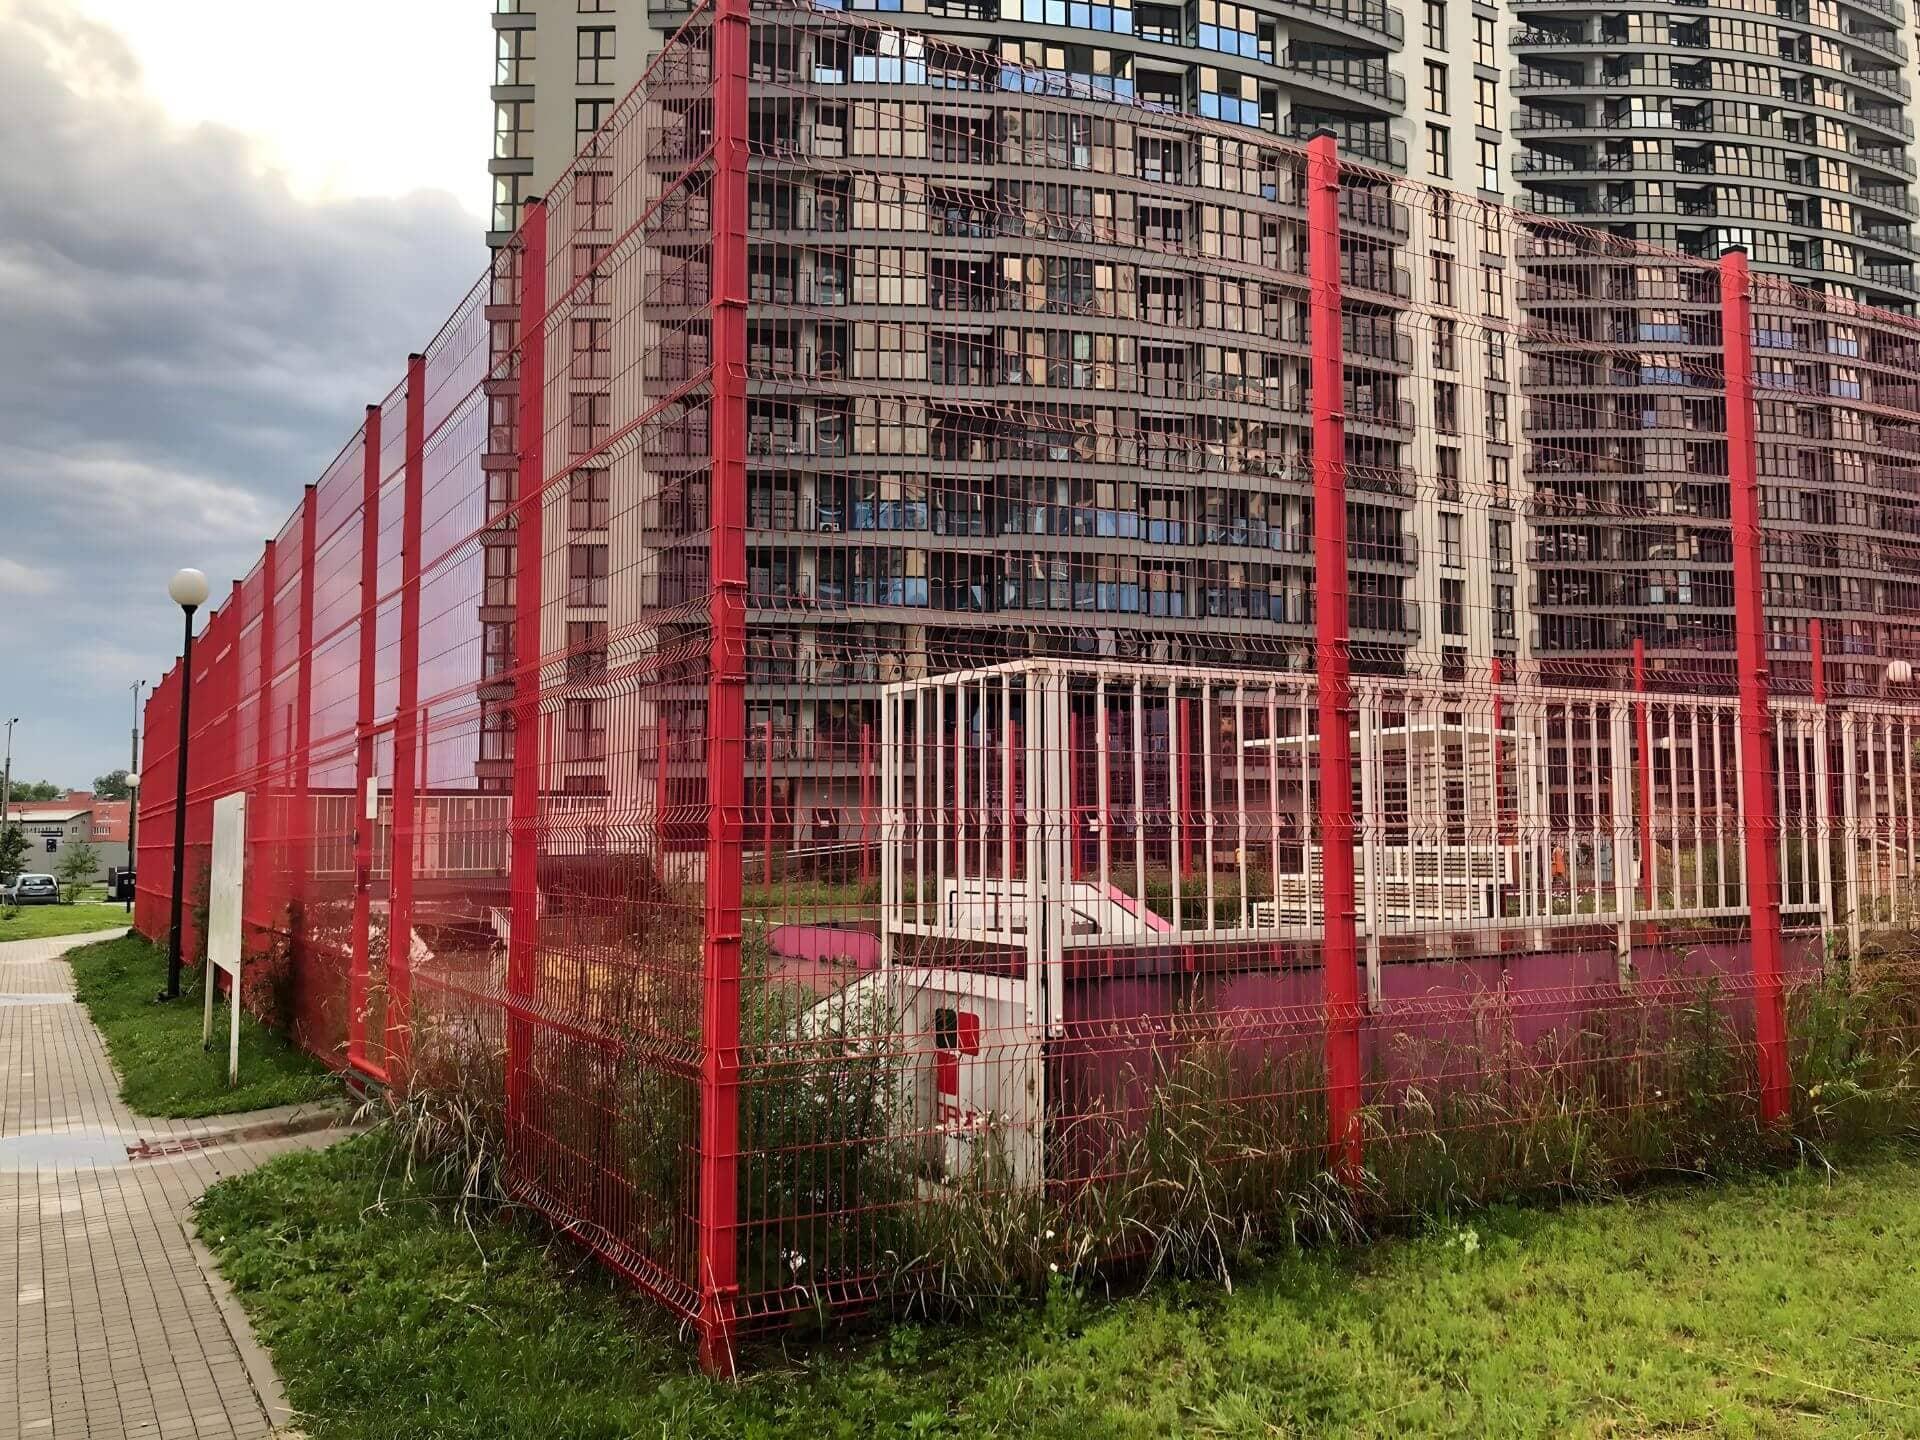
pixel 1623 839
pixel 1850 828
pixel 1371 831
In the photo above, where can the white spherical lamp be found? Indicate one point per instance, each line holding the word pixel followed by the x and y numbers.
pixel 188 589
pixel 1899 672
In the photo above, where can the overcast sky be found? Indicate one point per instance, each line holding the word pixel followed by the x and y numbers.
pixel 223 225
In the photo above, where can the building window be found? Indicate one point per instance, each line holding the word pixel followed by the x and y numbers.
pixel 496 734
pixel 593 200
pixel 507 191
pixel 586 649
pixel 1496 357
pixel 592 419
pixel 586 575
pixel 513 130
pixel 587 500
pixel 1503 624
pixel 588 117
pixel 1452 552
pixel 1440 279
pixel 499 576
pixel 1446 344
pixel 1493 290
pixel 592 349
pixel 587 274
pixel 1439 152
pixel 1453 607
pixel 1489 164
pixel 596 7
pixel 513 51
pixel 1496 417
pixel 1483 41
pixel 496 656
pixel 1446 407
pixel 1500 545
pixel 1447 460
pixel 1486 103
pixel 1437 87
pixel 586 729
pixel 1436 13
pixel 594 65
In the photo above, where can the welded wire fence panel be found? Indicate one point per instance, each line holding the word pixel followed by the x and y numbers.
pixel 943 673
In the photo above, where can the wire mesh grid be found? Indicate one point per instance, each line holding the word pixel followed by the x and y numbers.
pixel 935 648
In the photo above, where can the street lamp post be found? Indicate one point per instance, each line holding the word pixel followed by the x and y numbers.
pixel 6 784
pixel 188 590
pixel 133 831
pixel 133 789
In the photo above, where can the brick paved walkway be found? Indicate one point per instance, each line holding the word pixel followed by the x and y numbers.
pixel 112 1322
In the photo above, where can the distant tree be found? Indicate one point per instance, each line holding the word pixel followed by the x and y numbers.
pixel 33 792
pixel 77 864
pixel 111 786
pixel 13 854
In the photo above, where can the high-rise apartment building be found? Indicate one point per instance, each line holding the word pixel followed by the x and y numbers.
pixel 1110 451
pixel 1784 127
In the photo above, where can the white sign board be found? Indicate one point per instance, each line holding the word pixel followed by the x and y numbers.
pixel 224 892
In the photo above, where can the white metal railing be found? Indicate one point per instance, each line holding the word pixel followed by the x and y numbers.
pixel 1077 796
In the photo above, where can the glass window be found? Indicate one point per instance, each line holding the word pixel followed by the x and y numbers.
pixel 1439 152
pixel 1437 87
pixel 513 130
pixel 514 55
pixel 1486 103
pixel 594 55
pixel 587 499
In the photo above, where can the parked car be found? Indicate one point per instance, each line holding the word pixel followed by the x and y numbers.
pixel 34 890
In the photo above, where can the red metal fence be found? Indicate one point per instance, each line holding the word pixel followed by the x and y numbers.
pixel 942 674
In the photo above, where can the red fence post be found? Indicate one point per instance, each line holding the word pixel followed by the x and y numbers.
pixel 1643 729
pixel 1817 648
pixel 1183 806
pixel 1339 945
pixel 261 820
pixel 406 732
pixel 1756 720
pixel 1496 676
pixel 726 697
pixel 523 871
pixel 300 848
pixel 866 802
pixel 364 781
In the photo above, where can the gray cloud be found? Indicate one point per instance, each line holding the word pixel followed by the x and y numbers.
pixel 183 345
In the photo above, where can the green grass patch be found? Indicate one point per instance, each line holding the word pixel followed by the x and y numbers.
pixel 42 922
pixel 1780 1305
pixel 156 1046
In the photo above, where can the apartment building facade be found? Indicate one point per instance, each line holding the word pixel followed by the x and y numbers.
pixel 1781 126
pixel 1066 411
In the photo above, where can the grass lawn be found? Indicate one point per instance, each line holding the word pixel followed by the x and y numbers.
pixel 157 1047
pixel 1783 1305
pixel 40 922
